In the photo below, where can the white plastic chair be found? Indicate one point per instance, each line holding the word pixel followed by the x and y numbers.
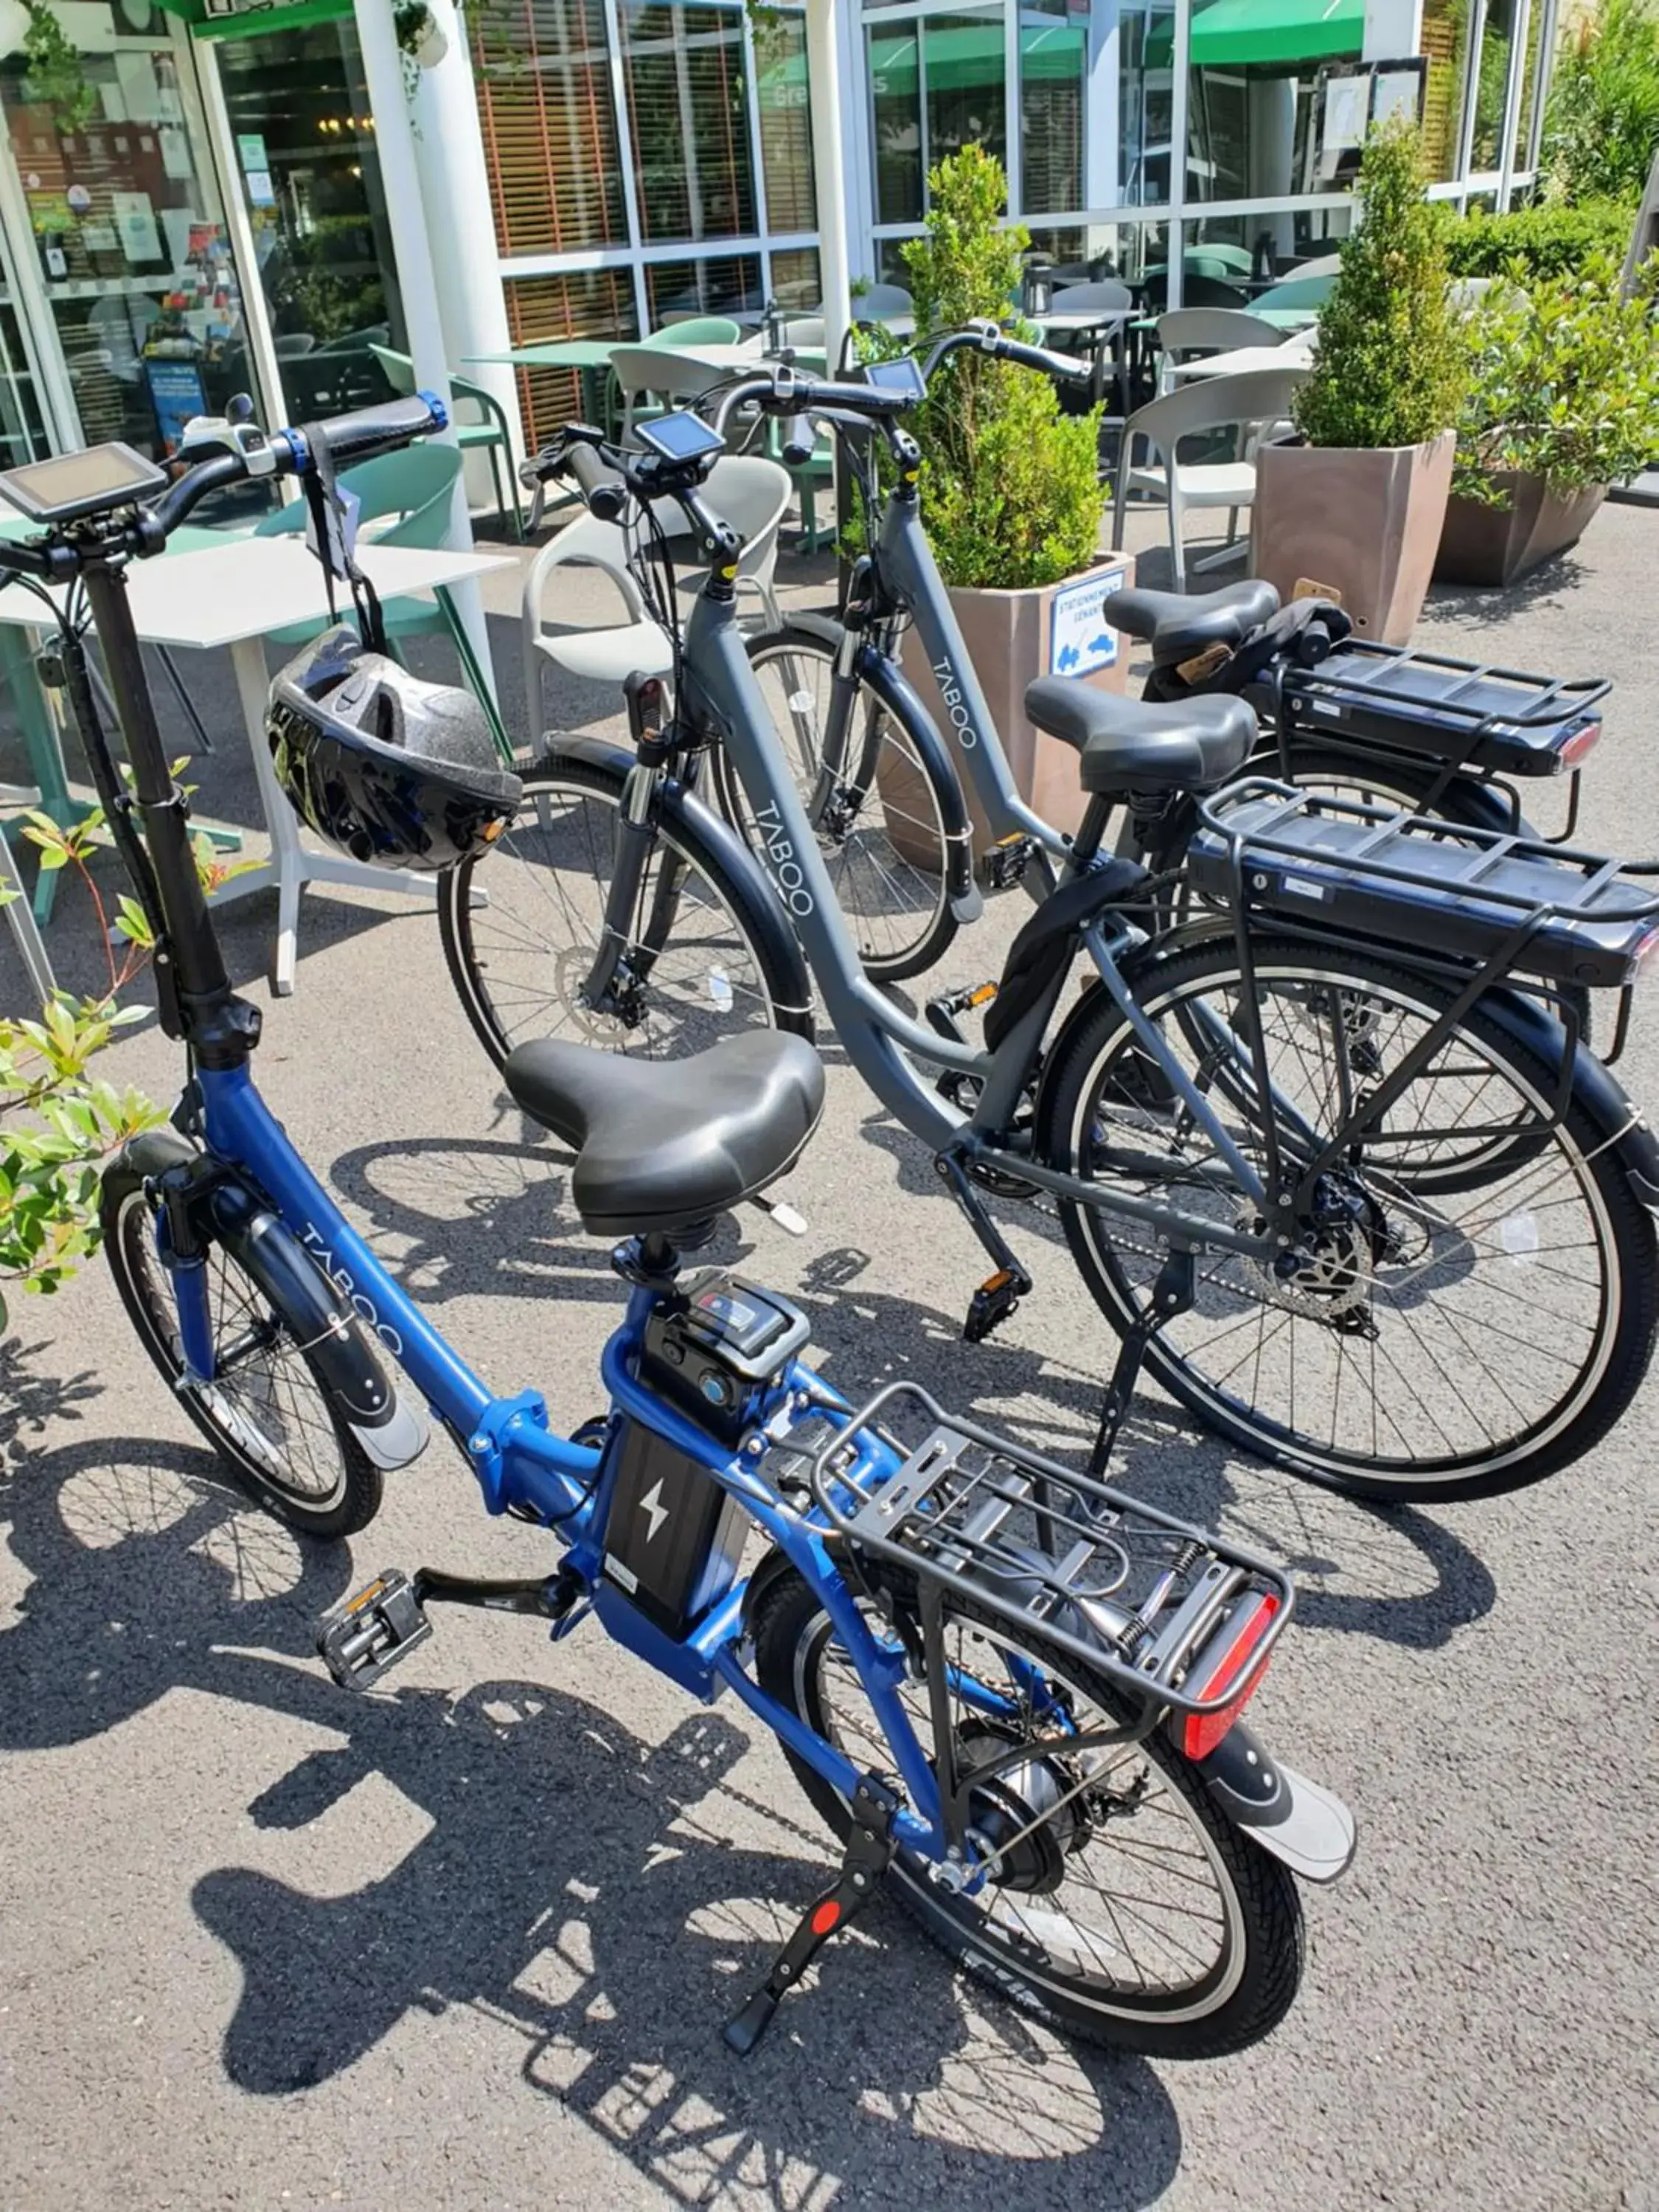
pixel 745 490
pixel 651 377
pixel 1216 402
pixel 1185 332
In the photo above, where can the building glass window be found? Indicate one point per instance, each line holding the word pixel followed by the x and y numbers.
pixel 543 73
pixel 1251 96
pixel 718 284
pixel 22 426
pixel 785 123
pixel 895 100
pixel 688 113
pixel 1445 43
pixel 587 303
pixel 127 231
pixel 1054 86
pixel 963 71
pixel 1532 75
pixel 796 282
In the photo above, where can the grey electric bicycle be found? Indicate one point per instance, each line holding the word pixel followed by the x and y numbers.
pixel 1352 1198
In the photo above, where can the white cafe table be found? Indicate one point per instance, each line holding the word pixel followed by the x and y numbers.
pixel 235 595
pixel 1243 360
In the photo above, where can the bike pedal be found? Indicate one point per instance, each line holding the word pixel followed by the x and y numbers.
pixel 364 1639
pixel 942 1011
pixel 997 1296
pixel 1007 860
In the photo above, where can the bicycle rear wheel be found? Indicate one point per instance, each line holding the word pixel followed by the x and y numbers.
pixel 522 926
pixel 1439 1335
pixel 1135 1916
pixel 881 821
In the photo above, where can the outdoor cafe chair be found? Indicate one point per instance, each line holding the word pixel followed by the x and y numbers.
pixel 651 380
pixel 745 490
pixel 489 433
pixel 688 330
pixel 1298 291
pixel 1186 332
pixel 1242 404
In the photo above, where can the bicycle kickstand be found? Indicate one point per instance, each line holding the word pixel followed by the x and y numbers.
pixel 864 1862
pixel 1173 1293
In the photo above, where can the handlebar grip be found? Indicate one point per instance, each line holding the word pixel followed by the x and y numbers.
pixel 795 447
pixel 380 429
pixel 1063 367
pixel 589 471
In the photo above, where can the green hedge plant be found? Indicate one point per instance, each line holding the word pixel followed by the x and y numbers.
pixel 1553 239
pixel 1010 486
pixel 1388 361
pixel 1602 125
pixel 1564 383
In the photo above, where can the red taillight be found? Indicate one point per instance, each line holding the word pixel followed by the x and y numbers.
pixel 1576 746
pixel 1237 1663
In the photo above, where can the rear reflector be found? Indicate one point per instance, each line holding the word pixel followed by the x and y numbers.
pixel 1582 742
pixel 1235 1663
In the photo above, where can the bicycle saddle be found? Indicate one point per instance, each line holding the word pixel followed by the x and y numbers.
pixel 1176 627
pixel 1128 745
pixel 662 1144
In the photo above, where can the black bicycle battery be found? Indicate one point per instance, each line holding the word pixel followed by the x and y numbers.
pixel 673 1537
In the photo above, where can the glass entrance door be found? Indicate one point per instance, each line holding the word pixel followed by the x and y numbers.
pixel 112 199
pixel 309 174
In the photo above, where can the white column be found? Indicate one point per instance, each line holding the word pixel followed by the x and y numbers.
pixel 460 223
pixel 829 171
pixel 394 137
pixel 1103 186
pixel 1271 105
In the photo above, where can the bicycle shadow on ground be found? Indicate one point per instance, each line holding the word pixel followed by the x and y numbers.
pixel 607 1902
pixel 457 1216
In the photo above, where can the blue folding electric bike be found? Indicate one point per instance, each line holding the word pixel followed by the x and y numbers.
pixel 1012 1692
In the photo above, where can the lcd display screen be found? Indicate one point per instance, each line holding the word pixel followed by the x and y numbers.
pixel 902 375
pixel 679 437
pixel 81 483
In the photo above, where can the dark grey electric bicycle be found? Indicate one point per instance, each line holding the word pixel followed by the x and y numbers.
pixel 1353 1200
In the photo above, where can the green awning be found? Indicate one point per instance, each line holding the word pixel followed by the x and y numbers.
pixel 968 56
pixel 256 21
pixel 1275 33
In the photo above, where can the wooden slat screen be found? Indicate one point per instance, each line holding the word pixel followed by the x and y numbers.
pixel 594 303
pixel 688 112
pixel 785 123
pixel 549 124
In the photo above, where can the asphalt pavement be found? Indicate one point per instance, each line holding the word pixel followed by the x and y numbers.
pixel 469 1945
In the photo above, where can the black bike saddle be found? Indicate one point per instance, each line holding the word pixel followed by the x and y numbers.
pixel 662 1144
pixel 1127 745
pixel 1177 627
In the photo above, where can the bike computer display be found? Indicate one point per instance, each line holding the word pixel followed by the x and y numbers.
pixel 902 375
pixel 73 484
pixel 679 437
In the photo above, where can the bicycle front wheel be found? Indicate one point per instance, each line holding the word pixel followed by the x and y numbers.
pixel 1433 1334
pixel 266 1413
pixel 880 816
pixel 522 927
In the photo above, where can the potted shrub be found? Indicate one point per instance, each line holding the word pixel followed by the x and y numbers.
pixel 1355 503
pixel 1010 486
pixel 1563 401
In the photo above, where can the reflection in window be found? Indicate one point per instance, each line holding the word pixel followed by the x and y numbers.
pixel 1445 42
pixel 896 96
pixel 796 283
pixel 724 284
pixel 786 122
pixel 1252 97
pixel 1491 85
pixel 963 71
pixel 1531 72
pixel 1054 59
pixel 542 77
pixel 683 67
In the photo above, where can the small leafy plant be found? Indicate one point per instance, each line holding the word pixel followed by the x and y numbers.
pixel 1010 487
pixel 1554 239
pixel 1564 383
pixel 56 72
pixel 1388 364
pixel 59 1121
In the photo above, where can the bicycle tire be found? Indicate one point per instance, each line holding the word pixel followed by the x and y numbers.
pixel 898 848
pixel 251 1428
pixel 1241 2000
pixel 773 998
pixel 1478 1352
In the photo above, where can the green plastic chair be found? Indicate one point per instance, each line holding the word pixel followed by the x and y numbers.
pixel 1295 292
pixel 489 434
pixel 417 486
pixel 696 330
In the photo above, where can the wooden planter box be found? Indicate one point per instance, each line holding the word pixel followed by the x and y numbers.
pixel 1363 525
pixel 1012 640
pixel 1482 544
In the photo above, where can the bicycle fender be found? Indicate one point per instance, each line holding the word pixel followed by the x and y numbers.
pixel 904 703
pixel 1594 1087
pixel 762 910
pixel 391 1429
pixel 1307 1827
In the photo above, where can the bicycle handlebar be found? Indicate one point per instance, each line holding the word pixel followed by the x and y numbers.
pixel 354 437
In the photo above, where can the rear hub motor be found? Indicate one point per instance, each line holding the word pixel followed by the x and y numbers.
pixel 1020 1814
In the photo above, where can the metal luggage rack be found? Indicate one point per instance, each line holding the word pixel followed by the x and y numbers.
pixel 1478 895
pixel 1132 1592
pixel 1398 693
